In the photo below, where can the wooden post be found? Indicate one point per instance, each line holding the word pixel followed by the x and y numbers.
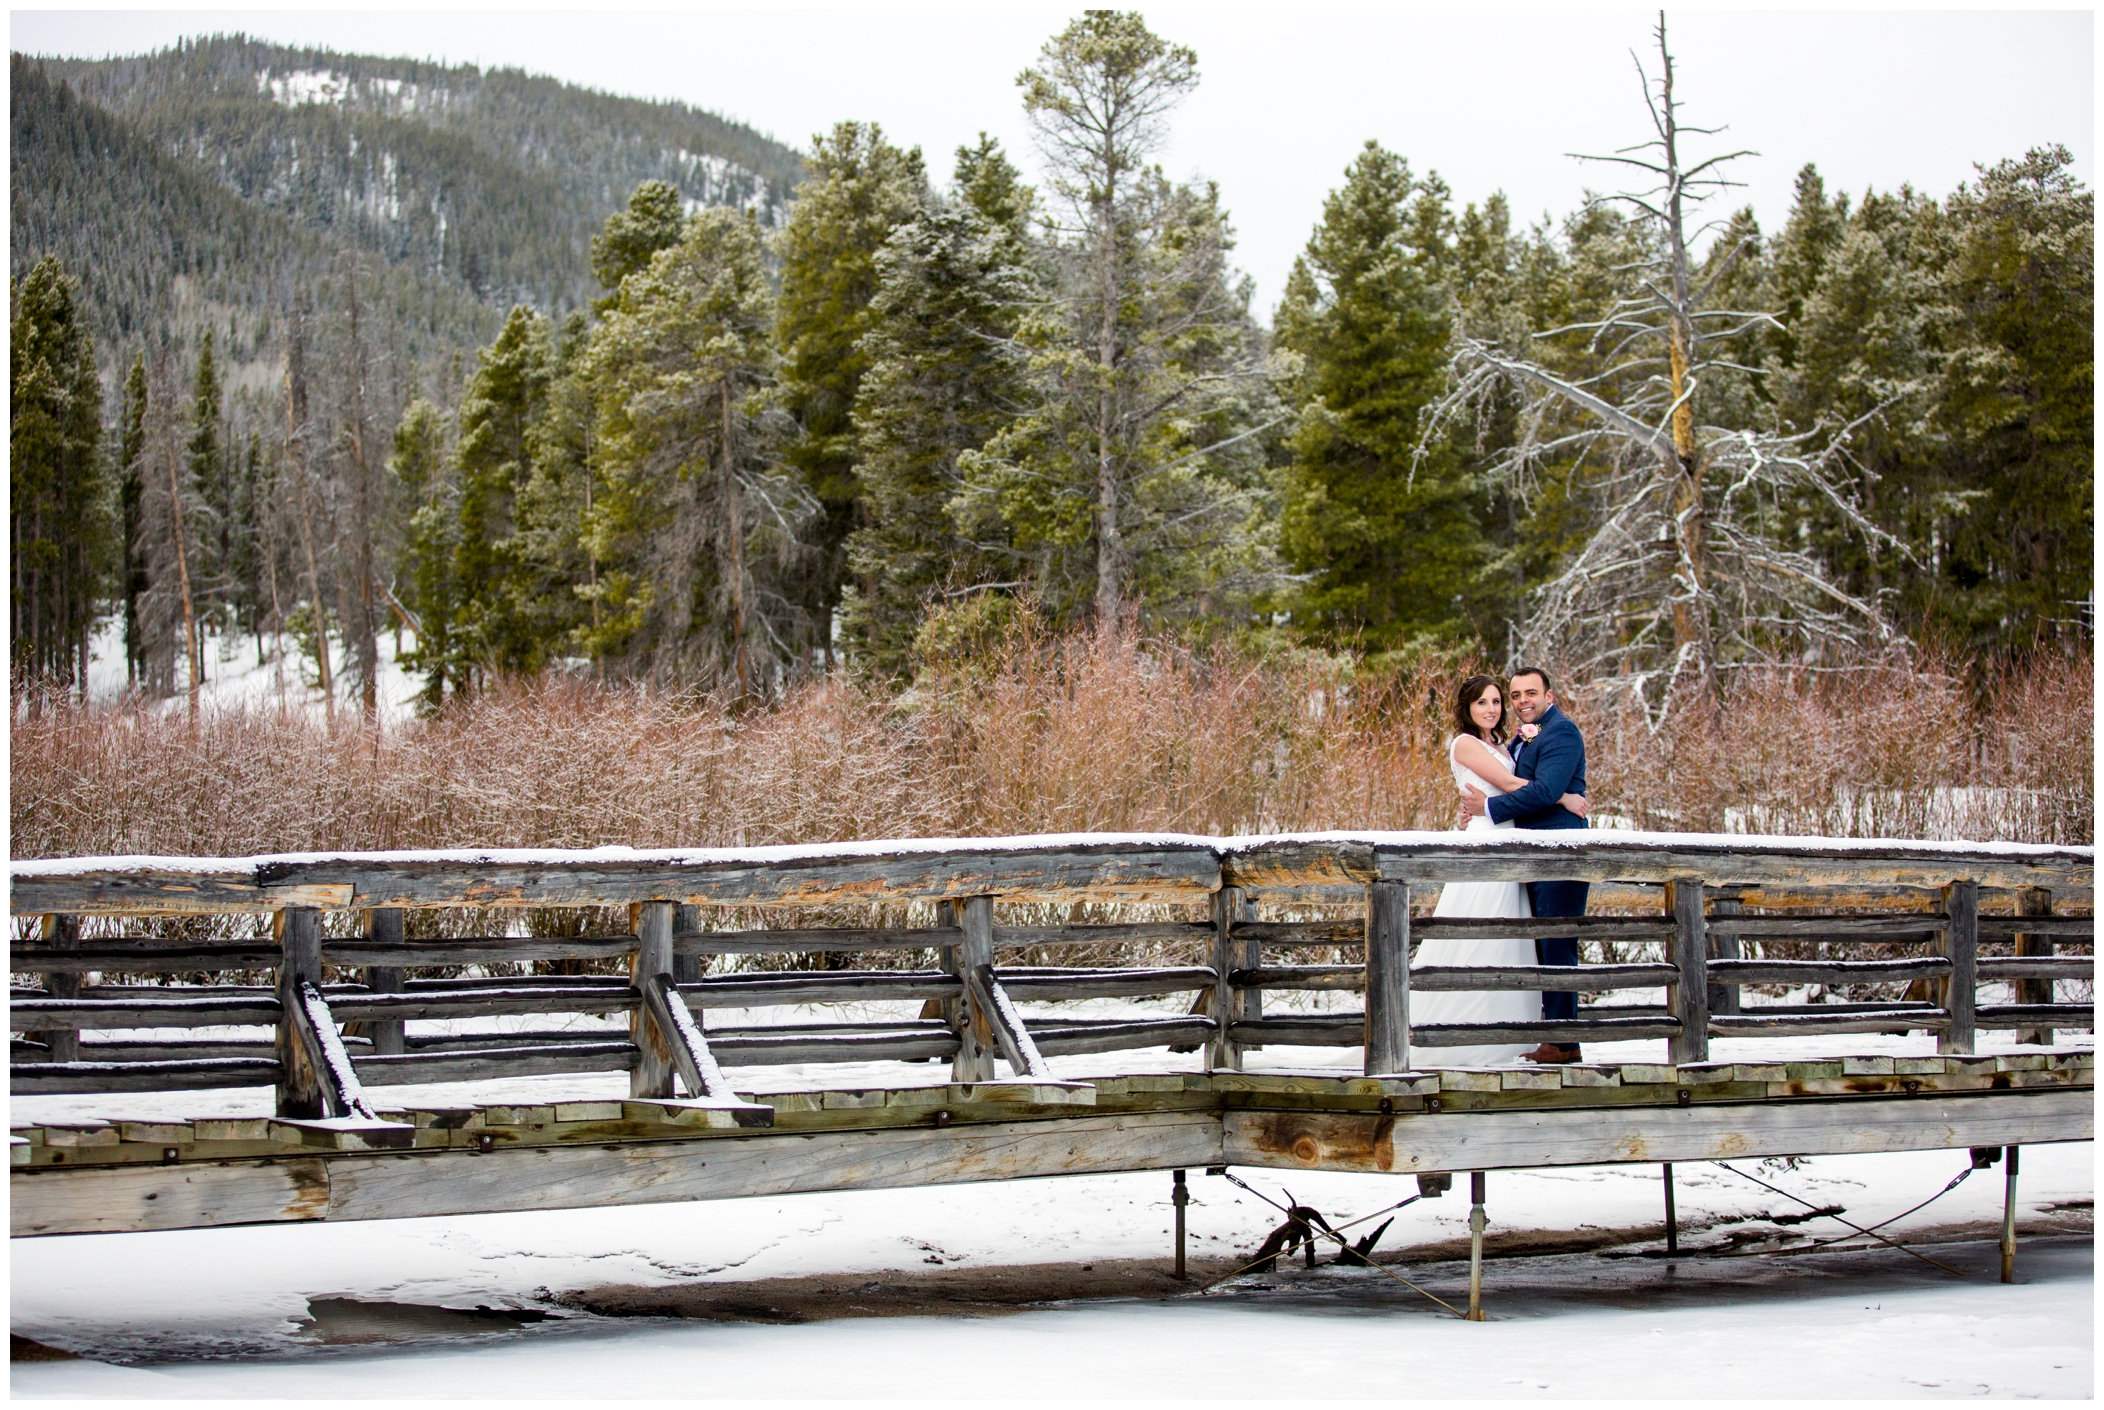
pixel 652 1075
pixel 975 1037
pixel 1477 1222
pixel 1179 1196
pixel 1724 998
pixel 385 927
pixel 1672 1214
pixel 62 932
pixel 687 969
pixel 1224 1053
pixel 1387 977
pixel 2030 901
pixel 299 1093
pixel 2009 1214
pixel 1689 999
pixel 1961 945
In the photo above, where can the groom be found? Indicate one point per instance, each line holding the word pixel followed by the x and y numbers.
pixel 1552 762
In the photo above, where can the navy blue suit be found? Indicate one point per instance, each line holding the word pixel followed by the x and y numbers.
pixel 1553 763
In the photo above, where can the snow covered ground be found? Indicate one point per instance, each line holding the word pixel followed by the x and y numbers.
pixel 1582 1305
pixel 220 1313
pixel 237 674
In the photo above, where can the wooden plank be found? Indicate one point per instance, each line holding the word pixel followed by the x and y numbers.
pixel 1160 932
pixel 1583 979
pixel 1044 984
pixel 1387 977
pixel 1724 949
pixel 1723 860
pixel 299 1086
pixel 1689 995
pixel 132 959
pixel 474 949
pixel 1826 927
pixel 145 1013
pixel 1561 1031
pixel 1494 1140
pixel 1306 934
pixel 418 1068
pixel 903 1043
pixel 1961 946
pixel 1756 1023
pixel 2042 923
pixel 990 1000
pixel 1828 971
pixel 2039 969
pixel 652 1075
pixel 1224 1005
pixel 133 1198
pixel 384 930
pixel 323 1051
pixel 708 1091
pixel 1541 927
pixel 2001 1016
pixel 482 1002
pixel 2035 904
pixel 182 1075
pixel 61 935
pixel 735 991
pixel 808 941
pixel 1301 976
pixel 565 1177
pixel 1060 1038
pixel 974 1060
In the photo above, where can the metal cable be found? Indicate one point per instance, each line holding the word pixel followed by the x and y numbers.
pixel 1839 1220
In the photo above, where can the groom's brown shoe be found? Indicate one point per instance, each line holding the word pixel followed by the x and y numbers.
pixel 1553 1052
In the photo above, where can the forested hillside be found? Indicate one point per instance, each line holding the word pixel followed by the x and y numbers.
pixel 546 380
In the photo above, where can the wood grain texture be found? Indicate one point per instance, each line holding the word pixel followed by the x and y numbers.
pixel 114 1199
pixel 1499 1140
pixel 779 1164
pixel 1961 946
pixel 1387 977
pixel 133 1075
pixel 1828 971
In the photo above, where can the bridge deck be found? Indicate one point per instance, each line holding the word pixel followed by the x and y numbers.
pixel 123 1176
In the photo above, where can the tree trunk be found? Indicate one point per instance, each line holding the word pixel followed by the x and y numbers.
pixel 736 527
pixel 182 569
pixel 1109 546
pixel 295 446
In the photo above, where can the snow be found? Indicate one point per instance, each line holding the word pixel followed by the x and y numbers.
pixel 1585 1325
pixel 237 675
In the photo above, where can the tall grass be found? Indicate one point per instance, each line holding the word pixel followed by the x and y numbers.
pixel 1104 732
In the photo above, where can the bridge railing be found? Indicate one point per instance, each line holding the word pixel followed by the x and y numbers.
pixel 1699 900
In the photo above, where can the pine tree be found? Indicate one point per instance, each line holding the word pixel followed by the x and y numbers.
pixel 58 510
pixel 629 238
pixel 1138 472
pixel 425 472
pixel 206 458
pixel 492 628
pixel 944 374
pixel 131 451
pixel 1387 534
pixel 694 534
pixel 858 190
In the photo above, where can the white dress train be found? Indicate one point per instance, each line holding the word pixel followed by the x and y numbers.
pixel 1475 898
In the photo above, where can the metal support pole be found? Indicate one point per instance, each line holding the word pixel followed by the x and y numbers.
pixel 2009 1214
pixel 1180 1195
pixel 1672 1215
pixel 1476 1224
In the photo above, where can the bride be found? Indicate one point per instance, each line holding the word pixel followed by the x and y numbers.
pixel 1480 761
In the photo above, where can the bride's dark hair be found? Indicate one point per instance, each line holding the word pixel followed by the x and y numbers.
pixel 1471 691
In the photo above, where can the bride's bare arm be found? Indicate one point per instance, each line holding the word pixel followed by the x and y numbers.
pixel 1484 762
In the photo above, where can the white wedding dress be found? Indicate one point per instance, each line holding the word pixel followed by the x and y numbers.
pixel 1475 898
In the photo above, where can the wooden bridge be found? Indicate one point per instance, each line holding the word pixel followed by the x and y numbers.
pixel 347 987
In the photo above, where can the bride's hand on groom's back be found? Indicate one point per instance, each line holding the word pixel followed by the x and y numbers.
pixel 1575 804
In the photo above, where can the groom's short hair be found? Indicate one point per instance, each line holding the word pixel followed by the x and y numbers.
pixel 1546 683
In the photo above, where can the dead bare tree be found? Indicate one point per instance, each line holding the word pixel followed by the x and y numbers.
pixel 1683 573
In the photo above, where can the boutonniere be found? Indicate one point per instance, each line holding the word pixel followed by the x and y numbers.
pixel 1527 732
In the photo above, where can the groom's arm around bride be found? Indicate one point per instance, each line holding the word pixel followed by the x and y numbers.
pixel 1553 764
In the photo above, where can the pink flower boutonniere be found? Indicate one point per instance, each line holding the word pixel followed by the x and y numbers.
pixel 1529 731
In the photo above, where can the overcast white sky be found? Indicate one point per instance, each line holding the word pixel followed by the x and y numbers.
pixel 1491 100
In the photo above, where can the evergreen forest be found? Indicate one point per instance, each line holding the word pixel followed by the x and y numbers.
pixel 316 349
